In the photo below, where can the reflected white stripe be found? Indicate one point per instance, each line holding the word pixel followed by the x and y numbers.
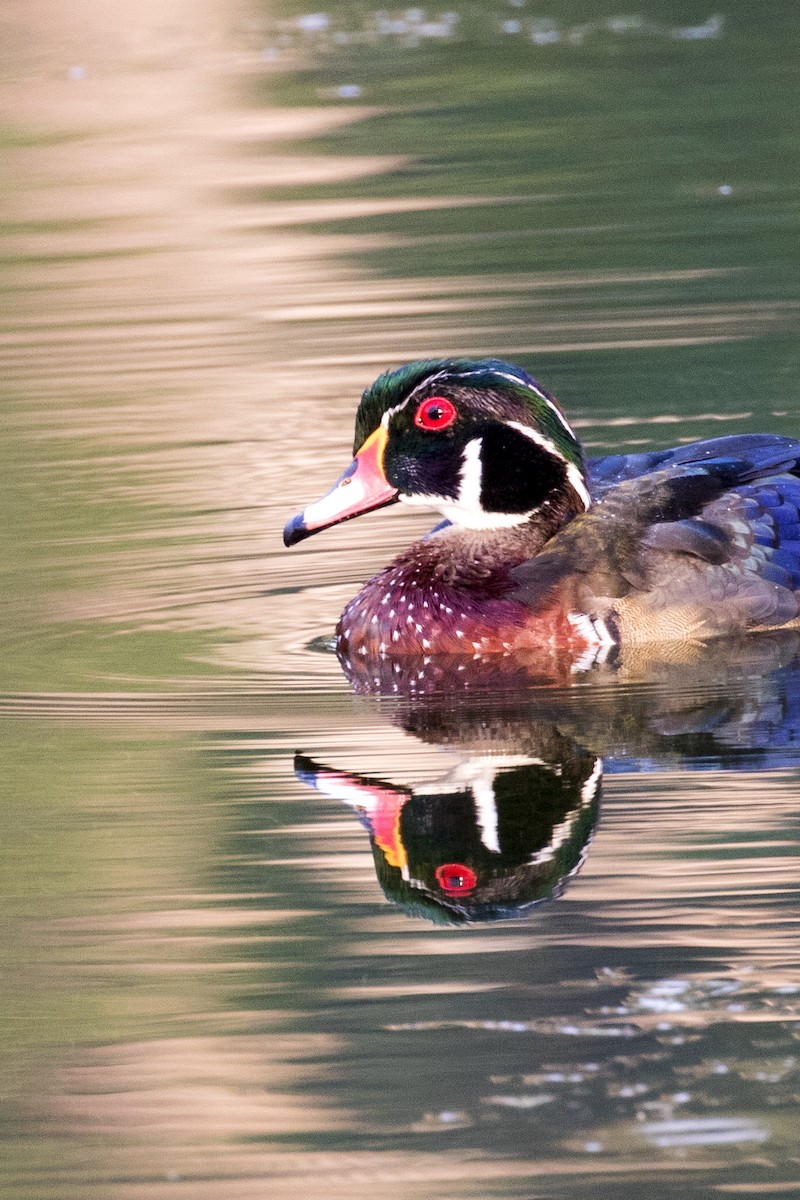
pixel 486 814
pixel 705 1131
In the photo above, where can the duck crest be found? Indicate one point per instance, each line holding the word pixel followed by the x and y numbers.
pixel 479 378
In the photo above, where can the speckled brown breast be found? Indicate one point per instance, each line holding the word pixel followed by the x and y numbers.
pixel 396 614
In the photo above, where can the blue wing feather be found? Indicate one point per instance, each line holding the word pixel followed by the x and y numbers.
pixel 730 506
pixel 760 471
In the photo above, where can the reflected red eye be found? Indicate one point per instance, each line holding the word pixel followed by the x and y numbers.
pixel 435 413
pixel 455 879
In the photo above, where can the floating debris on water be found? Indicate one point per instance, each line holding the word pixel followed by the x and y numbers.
pixel 411 27
pixel 704 1131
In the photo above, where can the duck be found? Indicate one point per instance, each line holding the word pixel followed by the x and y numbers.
pixel 543 547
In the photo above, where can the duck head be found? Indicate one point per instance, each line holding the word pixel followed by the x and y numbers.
pixel 476 439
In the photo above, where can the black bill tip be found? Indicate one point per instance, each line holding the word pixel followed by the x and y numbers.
pixel 305 769
pixel 295 530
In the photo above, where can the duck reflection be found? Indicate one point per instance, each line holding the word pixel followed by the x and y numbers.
pixel 494 836
pixel 509 825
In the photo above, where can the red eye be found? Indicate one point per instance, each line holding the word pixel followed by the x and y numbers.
pixel 455 879
pixel 435 413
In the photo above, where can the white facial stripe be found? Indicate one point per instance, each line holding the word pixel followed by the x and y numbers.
pixel 453 512
pixel 558 837
pixel 466 510
pixel 486 813
pixel 556 411
pixel 426 382
pixel 578 485
pixel 477 775
pixel 469 493
pixel 563 831
pixel 448 374
pixel 427 500
pixel 589 788
pixel 572 472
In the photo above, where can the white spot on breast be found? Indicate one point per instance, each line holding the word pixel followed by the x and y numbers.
pixel 395 636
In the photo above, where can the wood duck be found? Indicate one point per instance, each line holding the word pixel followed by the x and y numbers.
pixel 541 547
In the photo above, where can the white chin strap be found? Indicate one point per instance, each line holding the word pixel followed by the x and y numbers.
pixel 466 509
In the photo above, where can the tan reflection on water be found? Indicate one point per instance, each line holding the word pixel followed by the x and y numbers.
pixel 192 317
pixel 651 890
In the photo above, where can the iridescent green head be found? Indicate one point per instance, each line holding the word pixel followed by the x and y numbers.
pixel 479 434
pixel 477 439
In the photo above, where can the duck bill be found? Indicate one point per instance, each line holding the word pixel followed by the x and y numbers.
pixel 361 488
